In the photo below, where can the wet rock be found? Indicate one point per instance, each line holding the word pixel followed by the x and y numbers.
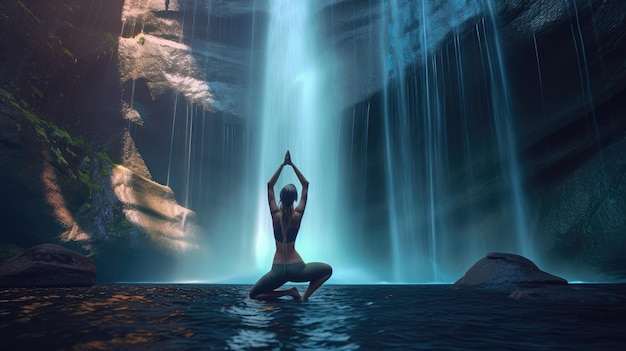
pixel 568 293
pixel 48 265
pixel 506 272
pixel 582 218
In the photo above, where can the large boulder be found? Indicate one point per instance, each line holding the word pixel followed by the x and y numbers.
pixel 506 272
pixel 48 265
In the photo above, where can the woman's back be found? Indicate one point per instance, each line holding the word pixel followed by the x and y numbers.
pixel 285 244
pixel 292 226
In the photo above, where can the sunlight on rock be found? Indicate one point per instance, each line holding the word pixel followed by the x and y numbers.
pixel 152 48
pixel 54 197
pixel 195 89
pixel 153 208
pixel 131 158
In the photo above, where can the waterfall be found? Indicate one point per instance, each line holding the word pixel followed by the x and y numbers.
pixel 299 113
pixel 428 239
pixel 441 124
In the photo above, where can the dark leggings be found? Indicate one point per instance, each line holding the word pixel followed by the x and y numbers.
pixel 292 272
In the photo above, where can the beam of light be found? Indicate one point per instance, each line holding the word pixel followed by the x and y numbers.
pixel 299 113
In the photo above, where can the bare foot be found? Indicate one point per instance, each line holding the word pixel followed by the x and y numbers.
pixel 293 292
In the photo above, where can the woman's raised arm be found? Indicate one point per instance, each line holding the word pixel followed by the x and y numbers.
pixel 271 197
pixel 305 188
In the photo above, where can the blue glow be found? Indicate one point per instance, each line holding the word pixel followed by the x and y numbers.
pixel 299 113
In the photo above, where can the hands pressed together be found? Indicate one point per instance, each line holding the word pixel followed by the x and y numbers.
pixel 287 160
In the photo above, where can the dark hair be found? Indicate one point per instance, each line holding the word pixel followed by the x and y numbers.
pixel 288 195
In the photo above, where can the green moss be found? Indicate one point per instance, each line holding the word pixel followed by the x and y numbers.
pixel 69 8
pixel 5 94
pixel 60 133
pixel 84 178
pixel 28 11
pixel 112 44
pixel 59 156
pixel 38 93
pixel 120 226
pixel 104 171
pixel 70 151
pixel 56 45
pixel 3 13
pixel 51 50
pixel 69 54
pixel 41 131
pixel 125 224
pixel 62 146
pixel 105 157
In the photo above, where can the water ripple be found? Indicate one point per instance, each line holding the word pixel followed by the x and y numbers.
pixel 207 317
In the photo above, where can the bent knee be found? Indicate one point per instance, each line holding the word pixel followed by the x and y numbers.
pixel 329 270
pixel 326 270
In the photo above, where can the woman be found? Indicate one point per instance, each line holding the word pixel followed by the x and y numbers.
pixel 287 264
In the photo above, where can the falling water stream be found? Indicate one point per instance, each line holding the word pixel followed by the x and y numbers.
pixel 300 114
pixel 430 149
pixel 417 114
pixel 301 110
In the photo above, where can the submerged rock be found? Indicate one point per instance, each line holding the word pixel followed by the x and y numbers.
pixel 569 293
pixel 48 265
pixel 506 272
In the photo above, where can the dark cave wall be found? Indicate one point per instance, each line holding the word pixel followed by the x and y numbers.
pixel 569 123
pixel 59 58
pixel 57 61
pixel 62 128
pixel 571 131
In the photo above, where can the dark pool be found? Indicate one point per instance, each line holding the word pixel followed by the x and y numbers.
pixel 344 317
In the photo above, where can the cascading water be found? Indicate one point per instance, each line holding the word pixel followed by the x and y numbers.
pixel 503 119
pixel 414 92
pixel 418 114
pixel 299 113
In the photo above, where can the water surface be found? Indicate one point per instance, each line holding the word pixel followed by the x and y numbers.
pixel 339 317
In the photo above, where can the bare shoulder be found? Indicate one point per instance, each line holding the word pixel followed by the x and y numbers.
pixel 276 215
pixel 297 215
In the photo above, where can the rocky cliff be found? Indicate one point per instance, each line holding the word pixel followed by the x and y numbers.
pixel 99 101
pixel 71 171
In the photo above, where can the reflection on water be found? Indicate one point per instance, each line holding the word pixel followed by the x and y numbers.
pixel 256 320
pixel 201 317
pixel 288 324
